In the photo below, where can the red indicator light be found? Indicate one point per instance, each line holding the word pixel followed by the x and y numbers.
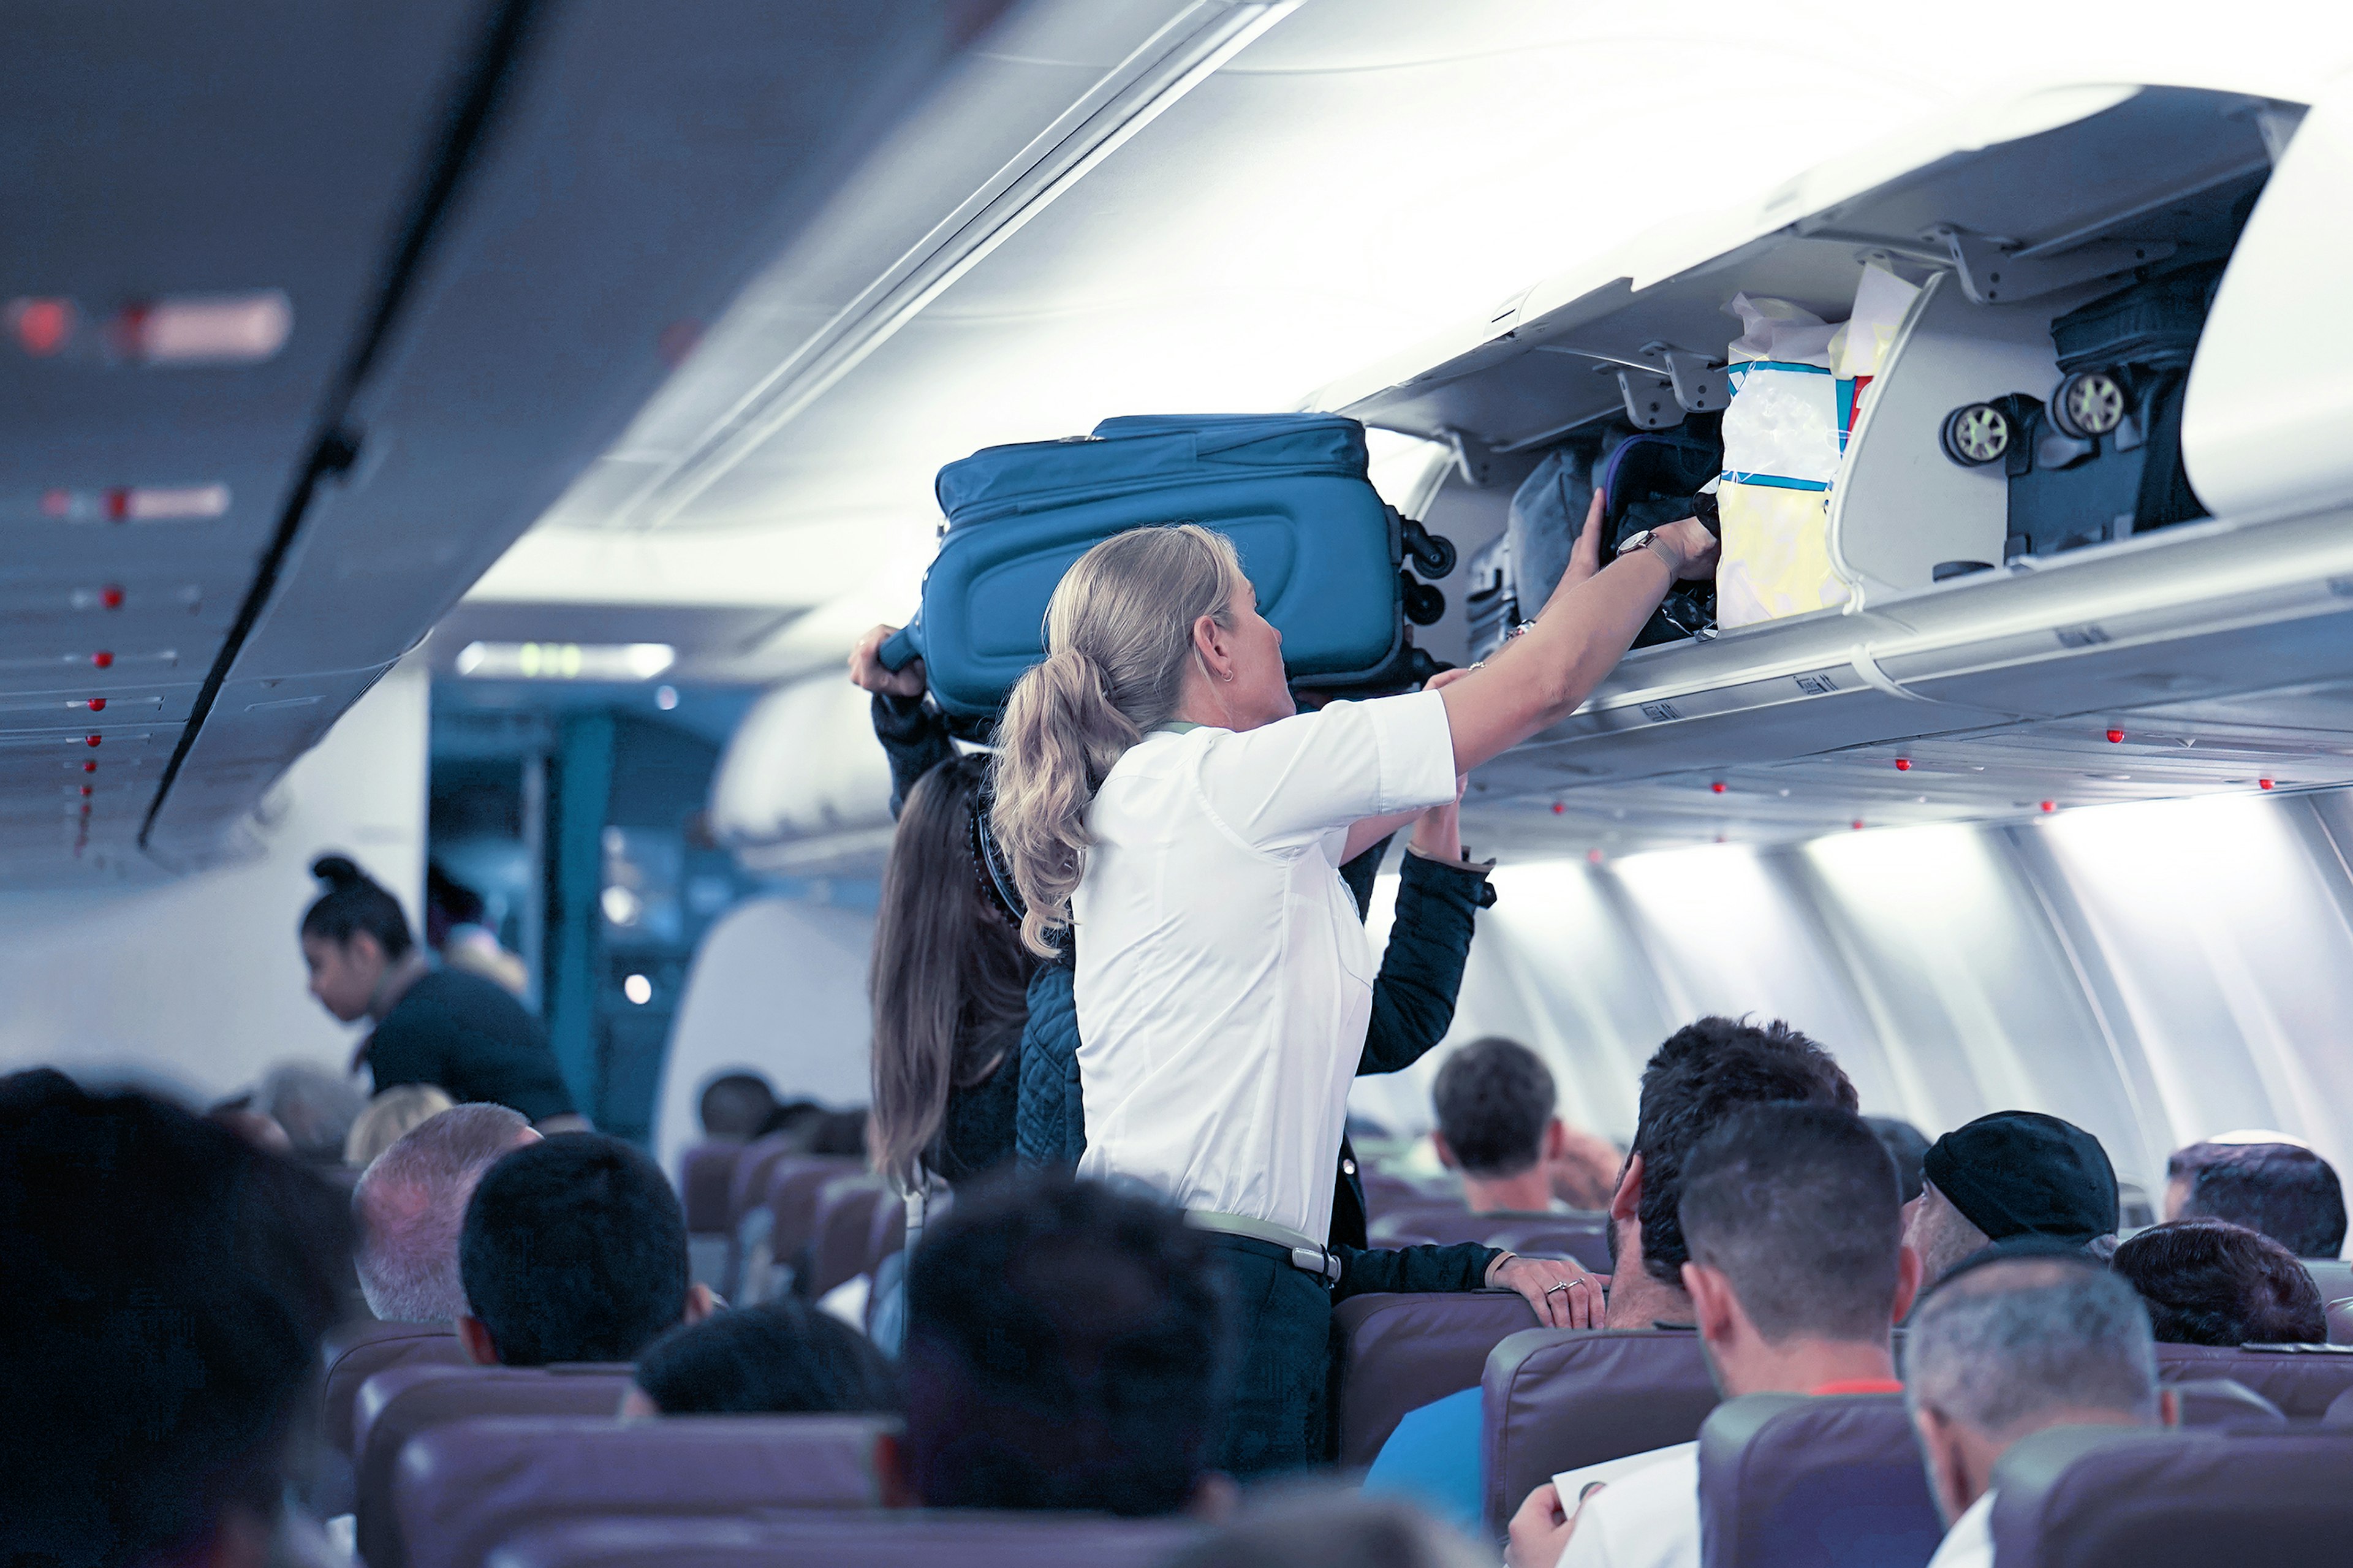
pixel 101 660
pixel 1717 787
pixel 41 326
pixel 1903 765
pixel 2116 737
pixel 93 740
pixel 2050 805
pixel 110 596
pixel 1557 808
pixel 117 504
pixel 57 503
pixel 97 704
pixel 1594 856
pixel 85 792
pixel 1857 824
pixel 2264 784
pixel 90 767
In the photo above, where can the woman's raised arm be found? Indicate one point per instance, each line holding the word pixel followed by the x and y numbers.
pixel 1540 677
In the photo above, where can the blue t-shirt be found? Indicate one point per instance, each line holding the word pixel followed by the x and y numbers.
pixel 1432 1459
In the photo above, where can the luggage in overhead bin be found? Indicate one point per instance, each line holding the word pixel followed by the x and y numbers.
pixel 1511 578
pixel 2101 458
pixel 1324 553
pixel 1651 479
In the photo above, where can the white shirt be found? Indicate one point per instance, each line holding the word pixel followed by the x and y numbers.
pixel 1647 1520
pixel 1224 980
pixel 1970 1544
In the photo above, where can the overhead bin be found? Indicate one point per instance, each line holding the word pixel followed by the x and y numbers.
pixel 2083 227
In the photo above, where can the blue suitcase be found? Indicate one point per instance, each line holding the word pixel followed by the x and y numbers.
pixel 1319 544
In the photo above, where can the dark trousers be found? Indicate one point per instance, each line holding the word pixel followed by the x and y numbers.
pixel 1281 1417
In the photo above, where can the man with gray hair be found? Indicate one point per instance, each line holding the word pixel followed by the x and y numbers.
pixel 2018 1340
pixel 411 1204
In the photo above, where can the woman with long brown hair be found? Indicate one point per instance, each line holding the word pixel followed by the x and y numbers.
pixel 948 982
pixel 1158 797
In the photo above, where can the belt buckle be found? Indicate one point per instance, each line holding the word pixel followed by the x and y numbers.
pixel 1317 1261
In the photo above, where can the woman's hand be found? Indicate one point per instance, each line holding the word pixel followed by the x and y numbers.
pixel 866 670
pixel 1698 548
pixel 1585 555
pixel 1563 1293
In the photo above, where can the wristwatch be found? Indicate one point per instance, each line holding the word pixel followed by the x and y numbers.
pixel 1646 540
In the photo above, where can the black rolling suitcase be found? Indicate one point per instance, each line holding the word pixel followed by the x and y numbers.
pixel 2102 459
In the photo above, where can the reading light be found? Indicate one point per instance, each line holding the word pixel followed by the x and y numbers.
pixel 564 660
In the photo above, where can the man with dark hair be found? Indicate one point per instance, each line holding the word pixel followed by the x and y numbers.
pixel 1495 1124
pixel 2023 1337
pixel 574 1249
pixel 2012 1173
pixel 1796 1274
pixel 2282 1189
pixel 1699 1076
pixel 1069 1347
pixel 411 1201
pixel 1906 1145
pixel 779 1358
pixel 167 1286
pixel 2209 1282
pixel 736 1105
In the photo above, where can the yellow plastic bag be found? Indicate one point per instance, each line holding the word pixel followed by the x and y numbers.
pixel 1776 553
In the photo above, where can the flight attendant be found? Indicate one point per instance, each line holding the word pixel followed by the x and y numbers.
pixel 443 1027
pixel 1157 794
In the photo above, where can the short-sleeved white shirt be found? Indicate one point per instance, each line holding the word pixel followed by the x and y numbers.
pixel 1224 979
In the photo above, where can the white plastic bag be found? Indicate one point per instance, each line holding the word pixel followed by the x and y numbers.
pixel 1858 349
pixel 1781 448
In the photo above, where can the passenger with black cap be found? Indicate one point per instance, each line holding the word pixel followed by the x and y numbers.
pixel 2012 1173
pixel 433 1026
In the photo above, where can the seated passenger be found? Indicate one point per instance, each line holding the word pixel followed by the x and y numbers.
pixel 262 1132
pixel 314 1106
pixel 1495 1124
pixel 167 1287
pixel 1906 1145
pixel 736 1106
pixel 411 1203
pixel 2209 1282
pixel 1331 1527
pixel 1701 1074
pixel 390 1117
pixel 1797 1275
pixel 1068 1347
pixel 779 1358
pixel 2012 1344
pixel 574 1249
pixel 2284 1190
pixel 2012 1173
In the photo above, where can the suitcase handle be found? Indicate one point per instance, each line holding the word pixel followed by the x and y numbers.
pixel 899 650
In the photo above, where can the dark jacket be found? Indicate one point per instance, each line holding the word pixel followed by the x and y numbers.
pixel 472 1038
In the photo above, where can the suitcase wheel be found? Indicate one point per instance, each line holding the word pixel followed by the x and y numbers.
pixel 1433 553
pixel 1424 605
pixel 2089 403
pixel 1977 434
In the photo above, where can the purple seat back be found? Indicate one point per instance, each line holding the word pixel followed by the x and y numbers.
pixel 2340 1322
pixel 2220 1402
pixel 2300 1379
pixel 1384 1193
pixel 793 1190
pixel 1793 1481
pixel 706 1174
pixel 844 1228
pixel 397 1406
pixel 357 1351
pixel 1559 1398
pixel 2333 1275
pixel 888 1232
pixel 1398 1352
pixel 747 1179
pixel 884 1539
pixel 2340 1410
pixel 2124 1497
pixel 465 1487
pixel 1583 1237
pixel 1428 1225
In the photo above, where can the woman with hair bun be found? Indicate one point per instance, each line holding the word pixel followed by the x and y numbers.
pixel 433 1026
pixel 1157 798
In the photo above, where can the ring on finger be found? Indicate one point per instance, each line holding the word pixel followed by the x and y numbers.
pixel 1556 1284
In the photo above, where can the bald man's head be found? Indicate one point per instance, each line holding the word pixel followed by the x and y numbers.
pixel 411 1205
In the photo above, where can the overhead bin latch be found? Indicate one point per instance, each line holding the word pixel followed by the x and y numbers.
pixel 1994 273
pixel 1693 385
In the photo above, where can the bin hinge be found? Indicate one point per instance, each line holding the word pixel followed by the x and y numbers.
pixel 1995 272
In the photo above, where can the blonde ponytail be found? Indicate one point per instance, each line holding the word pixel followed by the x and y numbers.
pixel 1120 632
